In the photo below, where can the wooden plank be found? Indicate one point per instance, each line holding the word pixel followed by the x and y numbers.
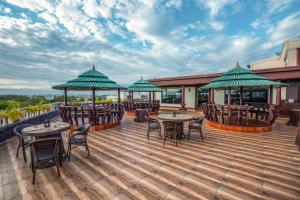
pixel 124 164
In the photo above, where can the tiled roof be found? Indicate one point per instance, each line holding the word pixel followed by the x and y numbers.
pixel 240 77
pixel 143 86
pixel 89 80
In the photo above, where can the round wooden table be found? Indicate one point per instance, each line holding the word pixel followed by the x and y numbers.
pixel 40 130
pixel 178 118
pixel 54 130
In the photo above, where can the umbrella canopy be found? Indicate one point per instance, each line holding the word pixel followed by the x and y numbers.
pixel 91 79
pixel 240 77
pixel 143 86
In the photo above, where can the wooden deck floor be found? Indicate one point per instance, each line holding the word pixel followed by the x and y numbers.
pixel 125 165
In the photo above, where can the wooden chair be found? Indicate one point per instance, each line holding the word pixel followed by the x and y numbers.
pixel 44 154
pixel 196 125
pixel 24 141
pixel 153 125
pixel 79 138
pixel 170 131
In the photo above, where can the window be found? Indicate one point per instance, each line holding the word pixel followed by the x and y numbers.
pixel 202 97
pixel 171 95
pixel 249 96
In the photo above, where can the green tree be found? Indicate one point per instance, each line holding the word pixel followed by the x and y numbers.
pixel 14 114
pixel 11 104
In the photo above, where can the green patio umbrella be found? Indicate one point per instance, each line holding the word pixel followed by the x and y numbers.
pixel 240 78
pixel 143 86
pixel 90 80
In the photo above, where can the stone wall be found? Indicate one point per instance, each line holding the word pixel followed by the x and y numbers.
pixel 6 132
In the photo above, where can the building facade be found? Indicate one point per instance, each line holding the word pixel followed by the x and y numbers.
pixel 186 92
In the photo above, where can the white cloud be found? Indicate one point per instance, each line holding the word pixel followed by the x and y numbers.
pixel 23 84
pixel 154 41
pixel 148 25
pixel 217 25
pixel 173 3
pixel 23 15
pixel 91 8
pixel 7 10
pixel 278 5
pixel 215 6
pixel 285 29
pixel 33 5
pixel 48 17
pixel 77 23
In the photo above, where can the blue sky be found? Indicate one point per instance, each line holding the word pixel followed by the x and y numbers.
pixel 43 43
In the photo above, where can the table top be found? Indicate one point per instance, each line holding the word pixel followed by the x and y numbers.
pixel 177 118
pixel 295 110
pixel 41 130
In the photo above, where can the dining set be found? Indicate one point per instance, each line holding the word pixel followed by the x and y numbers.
pixel 46 145
pixel 173 126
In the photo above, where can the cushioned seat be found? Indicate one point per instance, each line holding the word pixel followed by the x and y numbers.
pixel 76 140
pixel 192 126
pixel 154 126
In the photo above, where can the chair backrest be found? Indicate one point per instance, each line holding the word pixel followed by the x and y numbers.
pixel 83 128
pixel 150 119
pixel 46 144
pixel 18 129
pixel 169 124
pixel 199 120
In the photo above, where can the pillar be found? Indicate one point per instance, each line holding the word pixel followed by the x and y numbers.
pixel 183 97
pixel 66 96
pixel 212 96
pixel 149 96
pixel 270 96
pixel 278 95
pixel 119 104
pixel 241 96
pixel 94 96
pixel 209 95
pixel 119 97
pixel 229 97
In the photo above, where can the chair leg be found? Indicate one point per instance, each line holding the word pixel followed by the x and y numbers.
pixel 34 172
pixel 160 133
pixel 24 154
pixel 87 148
pixel 18 150
pixel 57 166
pixel 148 132
pixel 201 134
pixel 189 134
pixel 164 140
pixel 69 152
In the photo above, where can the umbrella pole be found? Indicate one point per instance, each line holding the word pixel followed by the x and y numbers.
pixel 94 97
pixel 149 96
pixel 66 96
pixel 119 99
pixel 229 97
pixel 241 96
